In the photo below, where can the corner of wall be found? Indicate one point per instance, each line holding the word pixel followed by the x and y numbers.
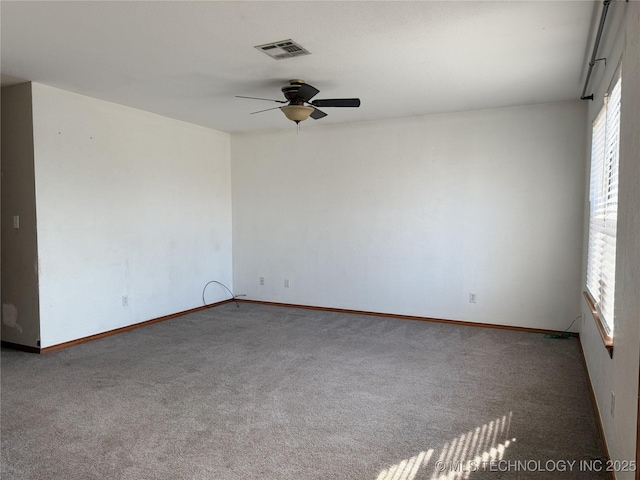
pixel 19 278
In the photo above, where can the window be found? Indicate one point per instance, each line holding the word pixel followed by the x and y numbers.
pixel 603 212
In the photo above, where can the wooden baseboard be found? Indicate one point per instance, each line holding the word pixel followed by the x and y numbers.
pixel 98 336
pixel 596 410
pixel 403 317
pixel 116 331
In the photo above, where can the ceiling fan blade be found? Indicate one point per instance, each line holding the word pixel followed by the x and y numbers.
pixel 265 110
pixel 337 102
pixel 317 114
pixel 306 92
pixel 267 99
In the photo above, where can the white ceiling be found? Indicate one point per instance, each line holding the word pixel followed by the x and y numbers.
pixel 187 60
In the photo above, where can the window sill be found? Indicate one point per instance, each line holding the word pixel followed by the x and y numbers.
pixel 606 339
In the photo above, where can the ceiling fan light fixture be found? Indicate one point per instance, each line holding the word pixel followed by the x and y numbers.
pixel 297 94
pixel 297 113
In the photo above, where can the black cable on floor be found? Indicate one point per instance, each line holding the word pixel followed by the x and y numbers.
pixel 233 296
pixel 564 334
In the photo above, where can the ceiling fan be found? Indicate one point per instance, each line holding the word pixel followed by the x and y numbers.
pixel 299 106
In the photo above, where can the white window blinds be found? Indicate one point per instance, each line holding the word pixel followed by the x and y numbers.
pixel 603 207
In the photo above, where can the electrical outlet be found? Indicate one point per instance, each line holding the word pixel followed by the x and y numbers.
pixel 286 283
pixel 261 280
pixel 16 221
pixel 472 298
pixel 125 300
pixel 613 404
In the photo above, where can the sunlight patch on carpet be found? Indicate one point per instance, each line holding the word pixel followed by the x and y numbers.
pixel 473 451
pixel 406 469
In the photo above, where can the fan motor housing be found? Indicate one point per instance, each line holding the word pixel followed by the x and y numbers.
pixel 291 91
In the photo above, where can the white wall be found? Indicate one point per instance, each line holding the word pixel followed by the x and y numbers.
pixel 20 315
pixel 620 374
pixel 129 203
pixel 409 216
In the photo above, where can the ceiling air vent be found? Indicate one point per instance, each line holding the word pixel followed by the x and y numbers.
pixel 283 49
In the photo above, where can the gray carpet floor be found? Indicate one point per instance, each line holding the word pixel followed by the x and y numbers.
pixel 264 392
